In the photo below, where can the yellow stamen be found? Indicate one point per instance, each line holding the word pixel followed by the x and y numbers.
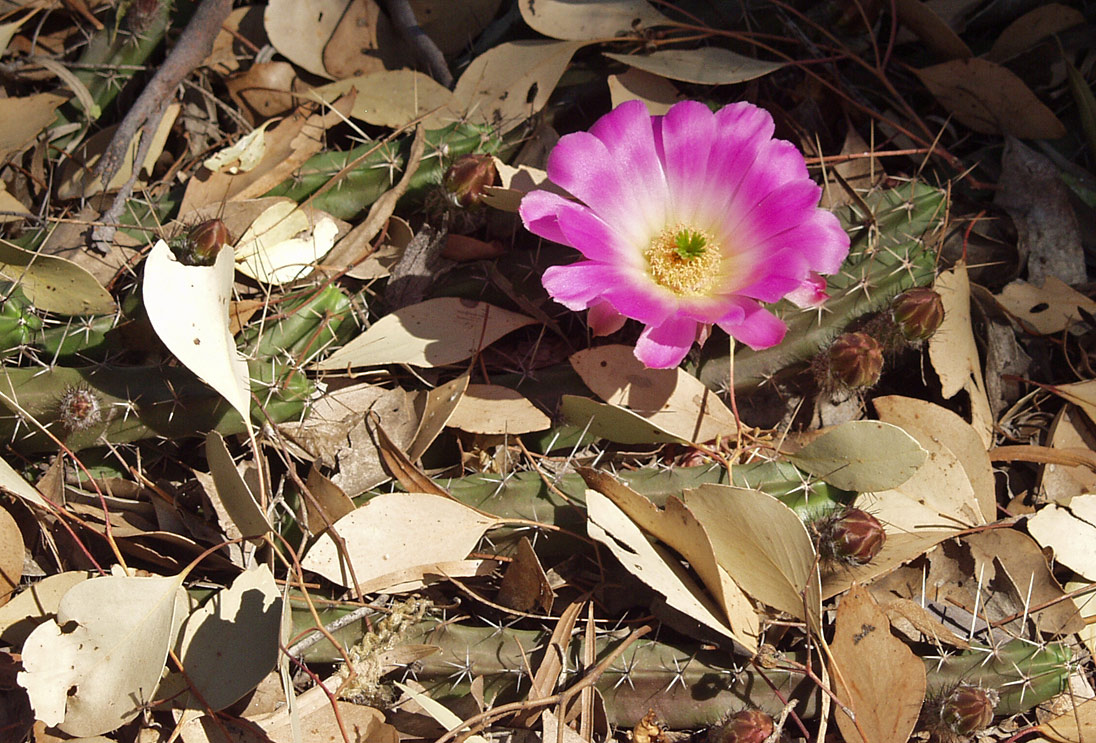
pixel 687 273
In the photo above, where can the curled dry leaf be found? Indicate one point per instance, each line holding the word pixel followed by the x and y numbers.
pixel 862 456
pixel 874 674
pixel 11 555
pixel 188 309
pixel 763 546
pixel 652 564
pixel 35 604
pixel 395 532
pixel 1070 530
pixel 54 284
pixel 707 65
pixel 569 21
pixel 95 675
pixel 436 332
pixel 614 423
pixel 1046 309
pixel 233 492
pixel 672 399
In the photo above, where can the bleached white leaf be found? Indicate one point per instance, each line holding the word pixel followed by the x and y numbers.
pixel 188 308
pixel 242 156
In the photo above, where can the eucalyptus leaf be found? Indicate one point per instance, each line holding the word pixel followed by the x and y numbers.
pixel 864 456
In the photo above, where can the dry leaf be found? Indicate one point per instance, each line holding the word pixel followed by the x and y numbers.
pixel 954 354
pixel 352 48
pixel 934 427
pixel 1060 482
pixel 590 21
pixel 658 93
pixel 440 331
pixel 763 546
pixel 441 403
pixel 23 119
pixel 653 565
pixel 299 29
pixel 1075 726
pixel 391 98
pixel 525 584
pixel 54 284
pixel 862 456
pixel 284 244
pixel 35 604
pixel 188 309
pixel 11 555
pixel 233 492
pixel 388 533
pixel 324 503
pixel 1070 530
pixel 231 642
pixel 1032 27
pixel 243 156
pixel 706 65
pixel 94 677
pixel 672 399
pixel 614 423
pixel 874 674
pixel 1046 309
pixel 931 29
pixel 990 99
pixel 681 530
pixel 492 409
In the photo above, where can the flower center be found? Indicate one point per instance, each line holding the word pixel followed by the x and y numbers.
pixel 684 260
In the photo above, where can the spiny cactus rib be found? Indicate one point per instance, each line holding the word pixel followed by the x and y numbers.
pixel 362 185
pixel 891 252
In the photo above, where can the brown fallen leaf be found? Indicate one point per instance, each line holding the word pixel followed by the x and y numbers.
pixel 874 674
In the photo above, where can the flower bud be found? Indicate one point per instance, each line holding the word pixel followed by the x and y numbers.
pixel 467 177
pixel 918 312
pixel 747 726
pixel 79 409
pixel 968 709
pixel 856 360
pixel 854 536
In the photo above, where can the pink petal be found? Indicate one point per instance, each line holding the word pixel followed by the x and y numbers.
pixel 811 293
pixel 578 285
pixel 664 346
pixel 757 329
pixel 539 213
pixel 603 319
pixel 628 134
pixel 685 136
pixel 596 240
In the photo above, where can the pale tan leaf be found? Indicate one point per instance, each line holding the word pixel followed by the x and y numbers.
pixel 934 427
pixel 874 674
pixel 441 403
pixel 614 423
pixel 590 21
pixel 1032 27
pixel 655 91
pixel 508 83
pixel 492 409
pixel 1068 431
pixel 233 492
pixel 387 534
pixel 13 208
pixel 1075 726
pixel 390 98
pixel 315 721
pixel 94 677
pixel 954 354
pixel 291 258
pixel 441 714
pixel 188 309
pixel 54 284
pixel 436 332
pixel 12 482
pixel 11 555
pixel 1070 530
pixel 299 29
pixel 23 119
pixel 653 565
pixel 706 65
pixel 672 399
pixel 990 99
pixel 1046 309
pixel 35 604
pixel 862 455
pixel 243 155
pixel 681 530
pixel 763 546
pixel 235 629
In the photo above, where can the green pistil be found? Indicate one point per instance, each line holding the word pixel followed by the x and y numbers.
pixel 690 244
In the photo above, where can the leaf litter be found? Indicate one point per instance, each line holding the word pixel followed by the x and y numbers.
pixel 389 437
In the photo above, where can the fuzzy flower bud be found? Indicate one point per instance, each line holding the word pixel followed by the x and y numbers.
pixel 747 726
pixel 918 312
pixel 467 177
pixel 853 536
pixel 968 709
pixel 79 409
pixel 856 360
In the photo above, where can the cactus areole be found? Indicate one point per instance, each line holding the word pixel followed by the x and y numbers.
pixel 686 220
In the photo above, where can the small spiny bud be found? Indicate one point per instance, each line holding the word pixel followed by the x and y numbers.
pixel 79 409
pixel 856 360
pixel 918 313
pixel 968 709
pixel 747 726
pixel 467 177
pixel 850 536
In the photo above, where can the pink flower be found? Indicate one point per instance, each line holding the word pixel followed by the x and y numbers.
pixel 685 220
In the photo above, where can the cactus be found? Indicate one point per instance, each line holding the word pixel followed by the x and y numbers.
pixel 891 252
pixel 18 323
pixel 359 187
pixel 137 402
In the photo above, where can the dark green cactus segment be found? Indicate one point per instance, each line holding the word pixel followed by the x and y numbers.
pixel 1022 673
pixel 892 250
pixel 18 322
pixel 305 325
pixel 356 189
pixel 84 338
